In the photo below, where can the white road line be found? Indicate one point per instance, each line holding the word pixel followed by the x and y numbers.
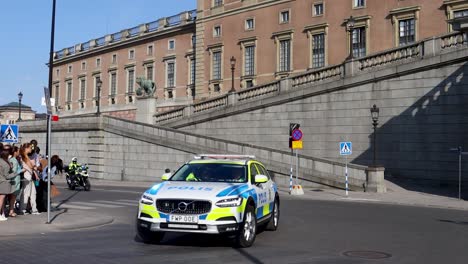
pixel 129 201
pixel 96 204
pixel 70 206
pixel 118 191
pixel 134 203
pixel 359 199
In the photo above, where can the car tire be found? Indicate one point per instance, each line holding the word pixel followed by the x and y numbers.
pixel 248 229
pixel 272 224
pixel 148 236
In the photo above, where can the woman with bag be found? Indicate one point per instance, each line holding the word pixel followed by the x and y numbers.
pixel 54 160
pixel 6 174
pixel 29 190
pixel 16 181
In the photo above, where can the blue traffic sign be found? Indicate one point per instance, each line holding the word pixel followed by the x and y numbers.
pixel 296 134
pixel 346 148
pixel 9 133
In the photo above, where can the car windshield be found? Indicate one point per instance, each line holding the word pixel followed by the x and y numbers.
pixel 214 172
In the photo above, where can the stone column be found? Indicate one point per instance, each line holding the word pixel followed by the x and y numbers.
pixel 375 180
pixel 146 108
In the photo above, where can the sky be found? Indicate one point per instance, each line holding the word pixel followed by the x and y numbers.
pixel 25 36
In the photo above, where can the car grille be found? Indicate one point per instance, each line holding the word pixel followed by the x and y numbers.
pixel 177 206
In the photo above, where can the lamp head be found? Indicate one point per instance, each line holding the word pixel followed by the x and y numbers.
pixel 20 96
pixel 233 61
pixel 374 113
pixel 350 23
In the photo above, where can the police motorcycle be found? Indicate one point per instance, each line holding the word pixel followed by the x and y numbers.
pixel 77 175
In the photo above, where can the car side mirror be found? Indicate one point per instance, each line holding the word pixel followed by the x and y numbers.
pixel 261 178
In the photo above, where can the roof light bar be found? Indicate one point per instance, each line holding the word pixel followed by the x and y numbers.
pixel 223 156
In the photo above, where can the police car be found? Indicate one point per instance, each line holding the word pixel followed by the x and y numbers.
pixel 211 194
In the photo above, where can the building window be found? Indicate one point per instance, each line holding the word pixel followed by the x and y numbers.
pixel 149 72
pixel 69 92
pixel 113 84
pixel 407 31
pixel 216 65
pixel 318 50
pixel 82 89
pixel 249 24
pixel 216 87
pixel 285 55
pixel 217 31
pixel 69 69
pixel 57 95
pixel 114 58
pixel 249 60
pixel 359 42
pixel 149 51
pixel 318 9
pixel 192 71
pixel 131 54
pixel 171 44
pixel 284 16
pixel 83 66
pixel 460 13
pixel 359 3
pixel 217 3
pixel 57 72
pixel 193 40
pixel 131 80
pixel 249 83
pixel 98 62
pixel 170 71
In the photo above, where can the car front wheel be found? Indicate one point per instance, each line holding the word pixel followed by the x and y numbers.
pixel 148 236
pixel 248 230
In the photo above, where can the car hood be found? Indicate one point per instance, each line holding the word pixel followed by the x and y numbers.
pixel 196 190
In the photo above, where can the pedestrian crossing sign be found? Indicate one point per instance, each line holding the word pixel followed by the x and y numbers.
pixel 346 148
pixel 9 133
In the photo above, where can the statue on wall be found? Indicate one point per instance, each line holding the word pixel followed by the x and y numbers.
pixel 147 87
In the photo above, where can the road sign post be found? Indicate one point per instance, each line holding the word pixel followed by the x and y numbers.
pixel 295 143
pixel 460 153
pixel 346 150
pixel 48 147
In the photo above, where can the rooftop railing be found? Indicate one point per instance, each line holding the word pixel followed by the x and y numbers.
pixel 180 19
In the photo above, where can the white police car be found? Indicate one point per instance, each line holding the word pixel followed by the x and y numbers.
pixel 212 194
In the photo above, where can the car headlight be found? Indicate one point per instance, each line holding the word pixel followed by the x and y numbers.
pixel 231 202
pixel 146 199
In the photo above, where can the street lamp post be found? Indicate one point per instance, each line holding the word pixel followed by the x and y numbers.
pixel 350 28
pixel 98 102
pixel 375 121
pixel 20 97
pixel 233 66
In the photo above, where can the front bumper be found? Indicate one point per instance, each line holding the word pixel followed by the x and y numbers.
pixel 202 228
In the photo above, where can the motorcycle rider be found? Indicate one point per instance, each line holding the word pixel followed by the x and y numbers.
pixel 73 168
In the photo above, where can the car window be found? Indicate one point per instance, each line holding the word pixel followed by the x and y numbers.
pixel 253 172
pixel 263 171
pixel 216 172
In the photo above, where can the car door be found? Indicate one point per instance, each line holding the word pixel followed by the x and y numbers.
pixel 267 186
pixel 261 190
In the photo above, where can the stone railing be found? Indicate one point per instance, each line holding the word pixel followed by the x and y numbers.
pixel 169 115
pixel 422 49
pixel 133 32
pixel 317 75
pixel 391 56
pixel 258 91
pixel 210 104
pixel 454 40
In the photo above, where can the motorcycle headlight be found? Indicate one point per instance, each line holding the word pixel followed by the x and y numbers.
pixel 230 202
pixel 146 199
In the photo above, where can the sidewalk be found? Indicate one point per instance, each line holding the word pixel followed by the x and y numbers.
pixel 69 219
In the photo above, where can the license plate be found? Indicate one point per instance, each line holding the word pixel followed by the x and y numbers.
pixel 183 218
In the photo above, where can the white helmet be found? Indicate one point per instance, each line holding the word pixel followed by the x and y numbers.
pixel 74 159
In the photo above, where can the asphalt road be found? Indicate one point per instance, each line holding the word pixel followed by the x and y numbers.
pixel 310 232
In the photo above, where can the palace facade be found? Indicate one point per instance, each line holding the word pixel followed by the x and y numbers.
pixel 236 44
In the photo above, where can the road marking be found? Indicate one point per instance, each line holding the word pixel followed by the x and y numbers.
pixel 118 191
pixel 95 204
pixel 118 203
pixel 359 199
pixel 70 206
pixel 129 201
